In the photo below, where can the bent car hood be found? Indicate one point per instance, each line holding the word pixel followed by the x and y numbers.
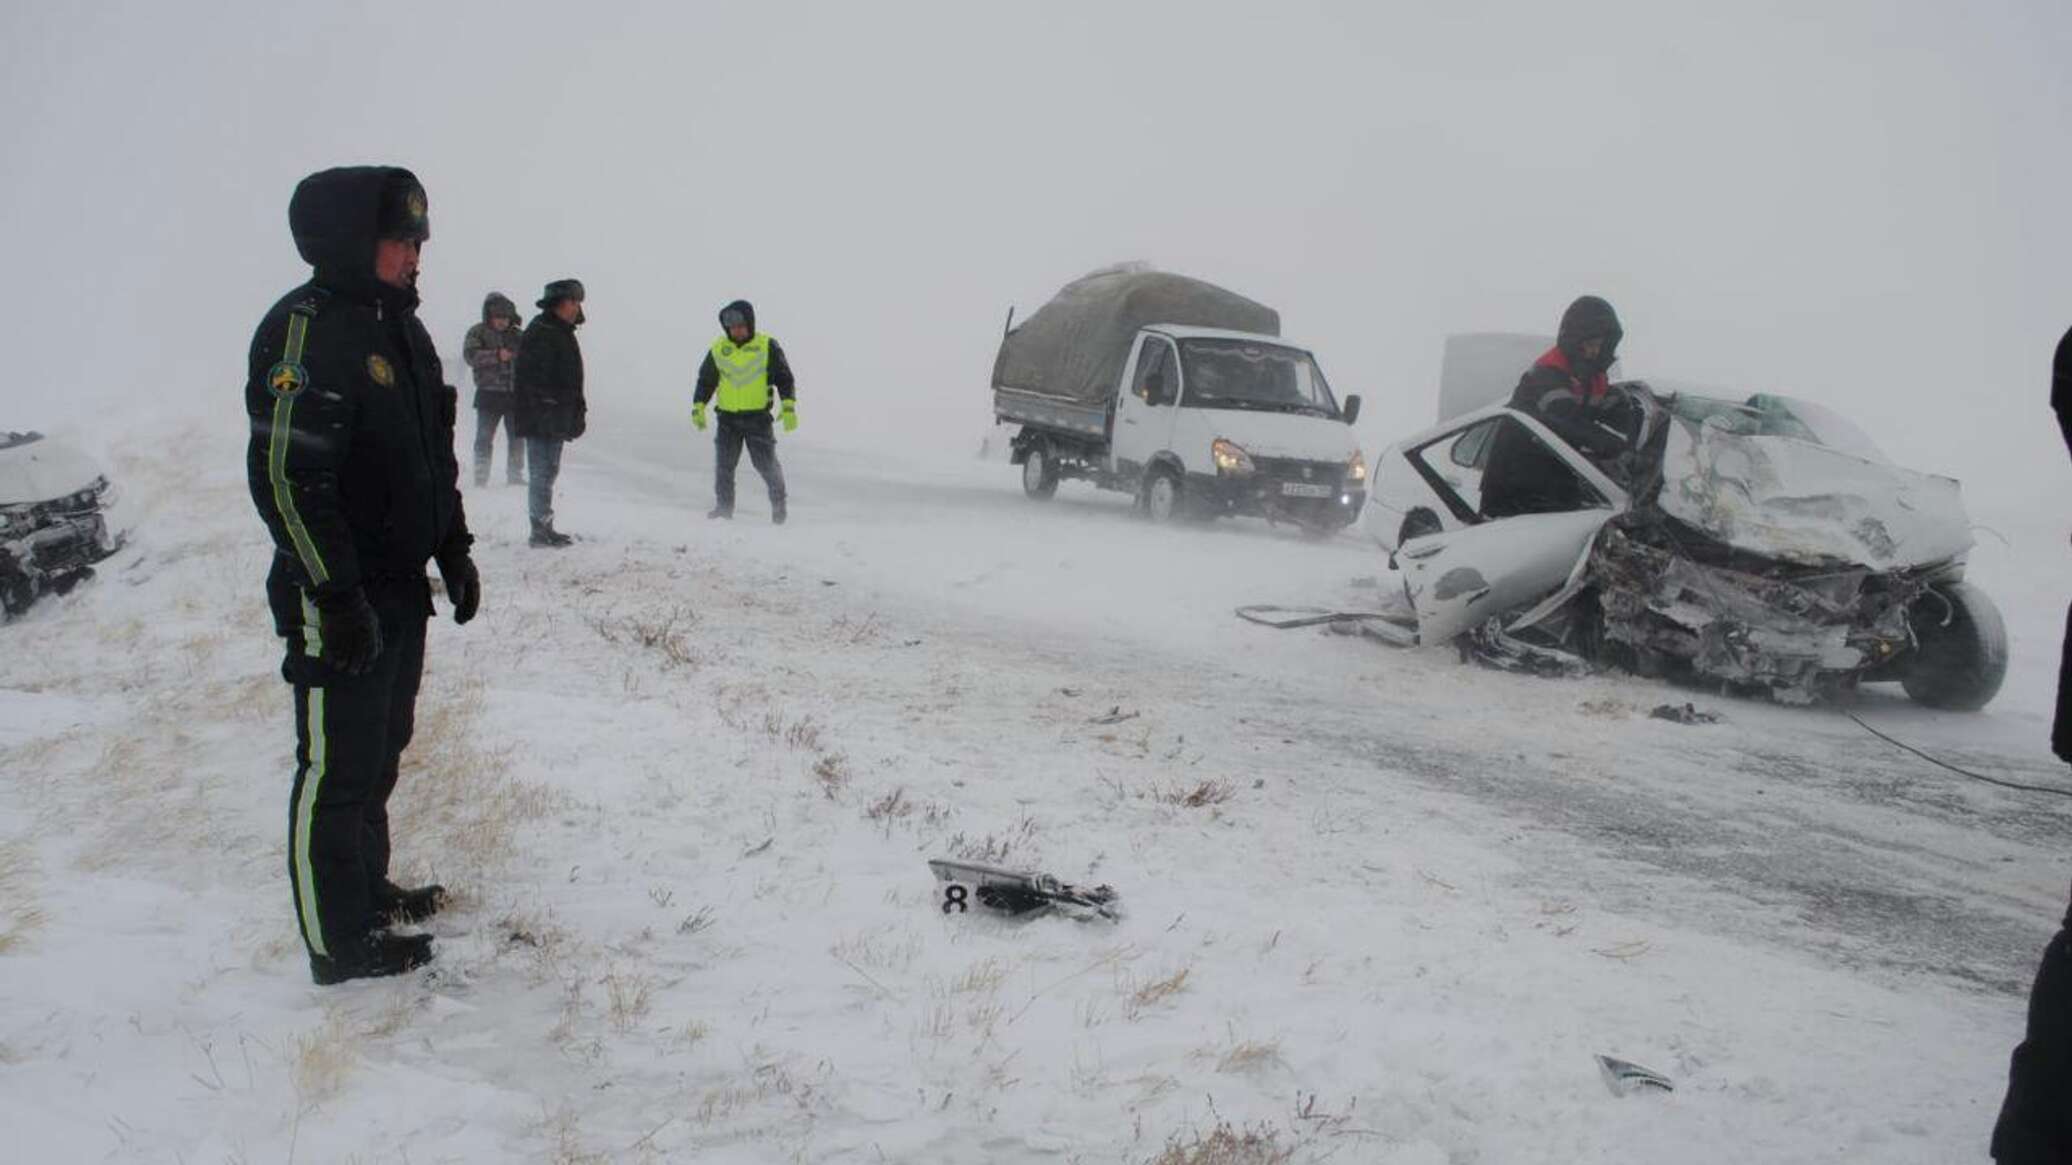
pixel 1807 504
pixel 43 470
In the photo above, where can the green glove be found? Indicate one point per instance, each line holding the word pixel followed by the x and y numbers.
pixel 698 416
pixel 791 417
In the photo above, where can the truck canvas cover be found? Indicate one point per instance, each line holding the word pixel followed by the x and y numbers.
pixel 1075 345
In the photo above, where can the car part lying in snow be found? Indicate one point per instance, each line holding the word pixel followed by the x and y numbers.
pixel 1018 892
pixel 1760 545
pixel 52 529
pixel 1624 1077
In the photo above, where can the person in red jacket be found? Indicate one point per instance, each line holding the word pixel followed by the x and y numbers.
pixel 1567 389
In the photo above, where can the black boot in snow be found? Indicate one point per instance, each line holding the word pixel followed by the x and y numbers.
pixel 777 513
pixel 544 534
pixel 378 954
pixel 395 906
pixel 726 512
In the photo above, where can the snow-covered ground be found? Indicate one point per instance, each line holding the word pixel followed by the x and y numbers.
pixel 1382 907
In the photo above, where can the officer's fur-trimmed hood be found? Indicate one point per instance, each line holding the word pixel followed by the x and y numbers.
pixel 335 216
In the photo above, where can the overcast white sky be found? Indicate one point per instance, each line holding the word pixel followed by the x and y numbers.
pixel 1868 203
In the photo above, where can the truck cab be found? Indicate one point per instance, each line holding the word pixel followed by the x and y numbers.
pixel 1209 422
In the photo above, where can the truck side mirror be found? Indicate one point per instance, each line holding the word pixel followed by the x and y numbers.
pixel 1351 411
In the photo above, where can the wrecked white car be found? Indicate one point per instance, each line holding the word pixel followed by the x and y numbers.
pixel 1763 544
pixel 52 529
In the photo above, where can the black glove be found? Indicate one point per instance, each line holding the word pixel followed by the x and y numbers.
pixel 463 585
pixel 348 630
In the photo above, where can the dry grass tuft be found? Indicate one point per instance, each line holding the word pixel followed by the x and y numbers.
pixel 457 798
pixel 19 914
pixel 802 734
pixel 629 995
pixel 890 807
pixel 1226 1145
pixel 1157 991
pixel 1249 1056
pixel 321 1060
pixel 664 632
pixel 832 771
pixel 1203 794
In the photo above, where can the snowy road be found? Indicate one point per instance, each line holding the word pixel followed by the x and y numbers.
pixel 1780 824
pixel 684 776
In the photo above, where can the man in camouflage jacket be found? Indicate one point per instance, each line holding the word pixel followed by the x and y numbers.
pixel 491 352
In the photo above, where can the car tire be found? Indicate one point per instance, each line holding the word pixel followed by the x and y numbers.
pixel 1163 499
pixel 1039 472
pixel 1960 649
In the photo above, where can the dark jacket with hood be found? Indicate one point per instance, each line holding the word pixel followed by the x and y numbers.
pixel 780 368
pixel 1569 393
pixel 351 459
pixel 481 348
pixel 2061 388
pixel 548 398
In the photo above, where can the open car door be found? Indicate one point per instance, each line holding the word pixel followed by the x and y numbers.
pixel 1458 578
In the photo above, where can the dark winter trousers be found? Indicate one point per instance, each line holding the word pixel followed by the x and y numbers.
pixel 2061 729
pixel 350 732
pixel 2036 1120
pixel 543 454
pixel 492 409
pixel 755 431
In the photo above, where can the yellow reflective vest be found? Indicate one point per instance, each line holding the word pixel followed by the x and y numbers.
pixel 744 374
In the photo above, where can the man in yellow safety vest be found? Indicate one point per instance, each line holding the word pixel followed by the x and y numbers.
pixel 741 368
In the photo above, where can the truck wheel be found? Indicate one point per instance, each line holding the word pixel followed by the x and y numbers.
pixel 1960 653
pixel 1039 472
pixel 1162 501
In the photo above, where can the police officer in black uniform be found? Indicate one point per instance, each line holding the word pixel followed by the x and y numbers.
pixel 351 466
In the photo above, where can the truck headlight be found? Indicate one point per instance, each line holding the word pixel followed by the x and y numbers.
pixel 1356 469
pixel 1230 457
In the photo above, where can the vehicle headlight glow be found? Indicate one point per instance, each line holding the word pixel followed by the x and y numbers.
pixel 1356 469
pixel 1230 457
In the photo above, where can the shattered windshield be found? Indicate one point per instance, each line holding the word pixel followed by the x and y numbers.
pixel 1768 415
pixel 1242 374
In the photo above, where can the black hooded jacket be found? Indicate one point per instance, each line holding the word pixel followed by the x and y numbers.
pixel 351 459
pixel 1568 392
pixel 2061 388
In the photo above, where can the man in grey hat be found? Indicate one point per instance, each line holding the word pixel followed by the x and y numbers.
pixel 548 408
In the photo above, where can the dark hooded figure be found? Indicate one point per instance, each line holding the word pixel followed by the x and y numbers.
pixel 351 467
pixel 549 406
pixel 491 351
pixel 2036 1118
pixel 741 368
pixel 1567 390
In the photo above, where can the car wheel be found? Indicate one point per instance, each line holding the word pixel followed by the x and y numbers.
pixel 1162 501
pixel 1960 649
pixel 1039 472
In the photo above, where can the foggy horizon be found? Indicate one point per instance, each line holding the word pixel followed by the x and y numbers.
pixel 1853 204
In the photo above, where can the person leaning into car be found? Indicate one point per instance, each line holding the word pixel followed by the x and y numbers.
pixel 352 469
pixel 1567 389
pixel 2035 1123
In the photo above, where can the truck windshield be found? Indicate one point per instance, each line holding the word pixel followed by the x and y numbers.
pixel 1242 374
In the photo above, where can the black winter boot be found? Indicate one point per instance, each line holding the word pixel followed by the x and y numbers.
pixel 377 955
pixel 544 534
pixel 777 513
pixel 395 906
pixel 726 512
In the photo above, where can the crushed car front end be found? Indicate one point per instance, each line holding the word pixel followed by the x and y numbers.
pixel 53 527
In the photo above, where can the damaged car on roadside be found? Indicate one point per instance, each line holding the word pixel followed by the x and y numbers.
pixel 52 526
pixel 1756 545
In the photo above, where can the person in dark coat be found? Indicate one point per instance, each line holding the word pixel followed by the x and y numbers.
pixel 548 398
pixel 491 352
pixel 741 368
pixel 1567 389
pixel 2035 1125
pixel 351 467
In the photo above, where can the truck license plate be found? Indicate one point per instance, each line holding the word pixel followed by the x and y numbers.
pixel 1303 489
